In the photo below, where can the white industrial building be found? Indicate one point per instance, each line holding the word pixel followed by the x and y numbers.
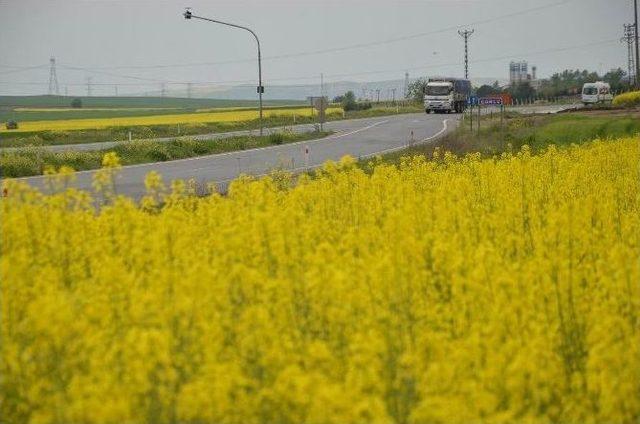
pixel 519 73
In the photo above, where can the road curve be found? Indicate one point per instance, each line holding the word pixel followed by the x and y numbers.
pixel 359 138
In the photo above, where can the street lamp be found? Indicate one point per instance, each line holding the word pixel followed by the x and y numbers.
pixel 189 15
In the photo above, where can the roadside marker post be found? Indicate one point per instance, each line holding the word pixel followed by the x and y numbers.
pixel 502 123
pixel 306 157
pixel 472 101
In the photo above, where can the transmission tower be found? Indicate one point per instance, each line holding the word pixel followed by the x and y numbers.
pixel 89 80
pixel 163 89
pixel 54 88
pixel 629 38
pixel 466 34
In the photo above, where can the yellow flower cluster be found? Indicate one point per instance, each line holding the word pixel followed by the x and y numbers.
pixel 446 291
pixel 629 99
pixel 168 119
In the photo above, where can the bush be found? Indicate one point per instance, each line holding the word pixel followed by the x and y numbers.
pixel 349 103
pixel 276 138
pixel 76 103
pixel 12 125
pixel 629 99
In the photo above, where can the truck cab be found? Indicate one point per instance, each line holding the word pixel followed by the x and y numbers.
pixel 446 95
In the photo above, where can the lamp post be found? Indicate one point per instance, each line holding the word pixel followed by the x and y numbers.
pixel 188 15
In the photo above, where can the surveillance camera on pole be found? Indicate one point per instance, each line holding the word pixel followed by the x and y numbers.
pixel 189 15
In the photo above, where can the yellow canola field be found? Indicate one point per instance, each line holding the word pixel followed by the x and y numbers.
pixel 171 119
pixel 629 99
pixel 72 109
pixel 447 291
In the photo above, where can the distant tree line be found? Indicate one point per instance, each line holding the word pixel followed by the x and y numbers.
pixel 349 102
pixel 570 82
pixel 565 83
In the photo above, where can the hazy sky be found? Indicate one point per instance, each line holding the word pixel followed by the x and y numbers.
pixel 115 42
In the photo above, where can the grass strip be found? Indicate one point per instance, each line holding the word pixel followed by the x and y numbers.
pixel 537 132
pixel 33 160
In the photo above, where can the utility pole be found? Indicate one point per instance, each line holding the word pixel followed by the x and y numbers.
pixel 115 89
pixel 163 89
pixel 189 89
pixel 53 78
pixel 406 84
pixel 321 84
pixel 466 34
pixel 637 30
pixel 629 35
pixel 378 94
pixel 393 98
pixel 89 79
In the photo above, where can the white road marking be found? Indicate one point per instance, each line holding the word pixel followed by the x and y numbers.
pixel 331 137
pixel 306 168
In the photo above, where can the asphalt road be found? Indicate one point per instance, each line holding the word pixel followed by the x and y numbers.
pixel 332 126
pixel 359 138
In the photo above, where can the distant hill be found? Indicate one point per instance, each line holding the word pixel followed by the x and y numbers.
pixel 235 96
pixel 363 90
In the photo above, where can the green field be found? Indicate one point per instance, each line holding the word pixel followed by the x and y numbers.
pixel 134 102
pixel 44 108
pixel 537 132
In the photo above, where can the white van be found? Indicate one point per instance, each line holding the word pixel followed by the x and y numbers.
pixel 596 92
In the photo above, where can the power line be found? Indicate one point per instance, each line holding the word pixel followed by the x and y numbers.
pixel 111 74
pixel 22 69
pixel 347 47
pixel 484 60
pixel 362 73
